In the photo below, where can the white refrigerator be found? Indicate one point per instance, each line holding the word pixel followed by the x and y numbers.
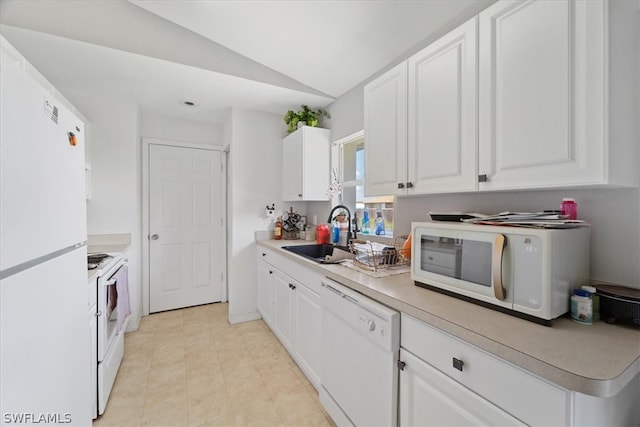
pixel 44 329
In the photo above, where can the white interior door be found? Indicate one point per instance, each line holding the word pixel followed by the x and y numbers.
pixel 186 244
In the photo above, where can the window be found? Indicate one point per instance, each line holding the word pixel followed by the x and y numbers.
pixel 351 167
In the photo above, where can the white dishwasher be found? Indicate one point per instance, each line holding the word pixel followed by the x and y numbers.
pixel 359 369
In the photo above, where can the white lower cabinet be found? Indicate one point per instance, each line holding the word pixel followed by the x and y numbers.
pixel 430 398
pixel 445 381
pixel 266 277
pixel 283 291
pixel 467 386
pixel 307 324
pixel 290 305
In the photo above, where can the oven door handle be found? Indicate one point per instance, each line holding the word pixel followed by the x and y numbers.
pixel 496 267
pixel 111 280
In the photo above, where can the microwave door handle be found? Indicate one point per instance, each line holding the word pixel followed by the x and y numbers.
pixel 496 267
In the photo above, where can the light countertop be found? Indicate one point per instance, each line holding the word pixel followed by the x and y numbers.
pixel 106 244
pixel 597 360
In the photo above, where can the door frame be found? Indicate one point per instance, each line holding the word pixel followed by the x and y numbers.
pixel 146 143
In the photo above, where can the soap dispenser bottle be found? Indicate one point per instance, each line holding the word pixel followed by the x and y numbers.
pixel 379 224
pixel 365 223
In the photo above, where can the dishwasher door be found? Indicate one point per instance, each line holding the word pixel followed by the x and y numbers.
pixel 359 372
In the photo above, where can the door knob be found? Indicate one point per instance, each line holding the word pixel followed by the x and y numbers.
pixel 154 237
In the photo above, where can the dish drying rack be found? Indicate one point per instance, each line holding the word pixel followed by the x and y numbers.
pixel 375 256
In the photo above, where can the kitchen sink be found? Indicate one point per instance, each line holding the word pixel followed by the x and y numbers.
pixel 315 252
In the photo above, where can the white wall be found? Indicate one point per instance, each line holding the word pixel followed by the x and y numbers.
pixel 254 180
pixel 168 128
pixel 115 206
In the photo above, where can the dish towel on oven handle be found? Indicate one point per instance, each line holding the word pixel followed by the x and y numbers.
pixel 122 286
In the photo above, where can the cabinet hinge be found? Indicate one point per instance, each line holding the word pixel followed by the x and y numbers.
pixel 401 365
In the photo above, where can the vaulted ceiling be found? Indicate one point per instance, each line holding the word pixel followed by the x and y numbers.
pixel 256 54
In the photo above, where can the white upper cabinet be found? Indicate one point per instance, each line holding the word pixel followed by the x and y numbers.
pixel 421 120
pixel 305 164
pixel 529 94
pixel 443 133
pixel 385 133
pixel 547 89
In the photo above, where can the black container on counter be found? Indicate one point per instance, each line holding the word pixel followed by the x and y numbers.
pixel 619 304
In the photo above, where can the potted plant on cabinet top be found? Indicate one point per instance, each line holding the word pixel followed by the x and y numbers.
pixel 306 116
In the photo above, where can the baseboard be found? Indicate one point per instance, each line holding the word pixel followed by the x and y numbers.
pixel 133 323
pixel 244 317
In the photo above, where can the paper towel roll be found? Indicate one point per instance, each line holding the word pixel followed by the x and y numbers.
pixel 337 256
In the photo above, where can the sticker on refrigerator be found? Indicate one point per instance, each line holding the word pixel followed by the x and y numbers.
pixel 51 111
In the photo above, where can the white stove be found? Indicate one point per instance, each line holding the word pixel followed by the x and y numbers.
pixel 108 269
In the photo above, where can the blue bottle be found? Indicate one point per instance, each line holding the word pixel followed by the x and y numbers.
pixel 365 223
pixel 335 233
pixel 379 224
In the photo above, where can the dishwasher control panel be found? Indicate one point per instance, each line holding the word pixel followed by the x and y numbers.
pixel 368 317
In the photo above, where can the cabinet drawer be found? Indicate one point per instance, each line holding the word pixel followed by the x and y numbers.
pixel 295 270
pixel 517 392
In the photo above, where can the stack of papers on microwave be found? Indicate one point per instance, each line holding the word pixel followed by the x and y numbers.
pixel 547 219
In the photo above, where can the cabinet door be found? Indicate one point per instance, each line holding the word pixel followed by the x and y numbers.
pixel 292 183
pixel 541 88
pixel 442 133
pixel 430 398
pixel 283 292
pixel 307 323
pixel 316 159
pixel 265 299
pixel 385 133
pixel 305 164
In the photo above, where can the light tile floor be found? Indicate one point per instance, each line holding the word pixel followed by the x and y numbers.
pixel 190 367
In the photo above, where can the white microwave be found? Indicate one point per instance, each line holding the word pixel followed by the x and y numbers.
pixel 527 272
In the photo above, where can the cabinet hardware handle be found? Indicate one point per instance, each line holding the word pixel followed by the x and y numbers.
pixel 409 184
pixel 264 254
pixel 154 237
pixel 458 364
pixel 292 286
pixel 482 178
pixel 401 365
pixel 299 195
pixel 400 185
pixel 270 272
